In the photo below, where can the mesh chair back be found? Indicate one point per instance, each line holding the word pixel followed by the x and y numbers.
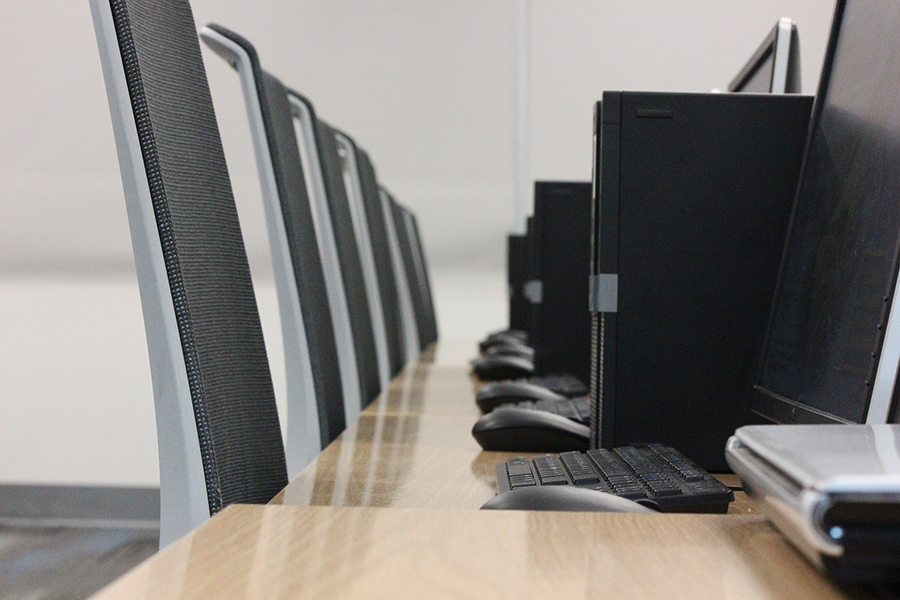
pixel 351 266
pixel 315 397
pixel 381 254
pixel 219 436
pixel 418 248
pixel 409 327
pixel 413 274
pixel 347 152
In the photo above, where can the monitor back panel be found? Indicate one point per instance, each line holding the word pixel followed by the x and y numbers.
pixel 696 195
pixel 562 251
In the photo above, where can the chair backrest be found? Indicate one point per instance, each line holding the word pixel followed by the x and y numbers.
pixel 350 264
pixel 381 255
pixel 414 273
pixel 352 184
pixel 315 397
pixel 306 125
pixel 421 262
pixel 408 320
pixel 219 437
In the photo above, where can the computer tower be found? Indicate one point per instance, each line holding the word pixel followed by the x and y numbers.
pixel 559 266
pixel 516 274
pixel 692 199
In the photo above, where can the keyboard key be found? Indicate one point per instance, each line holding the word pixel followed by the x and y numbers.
pixel 554 480
pixel 518 466
pixel 692 475
pixel 579 469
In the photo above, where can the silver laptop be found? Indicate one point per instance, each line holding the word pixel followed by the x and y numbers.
pixel 833 490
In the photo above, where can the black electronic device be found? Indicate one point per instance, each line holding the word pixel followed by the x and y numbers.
pixel 775 66
pixel 517 273
pixel 499 367
pixel 557 285
pixel 505 336
pixel 524 430
pixel 575 409
pixel 559 271
pixel 692 201
pixel 510 349
pixel 567 385
pixel 833 341
pixel 563 498
pixel 517 253
pixel 654 475
pixel 494 394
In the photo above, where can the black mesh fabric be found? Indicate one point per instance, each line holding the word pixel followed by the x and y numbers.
pixel 430 317
pixel 305 257
pixel 302 242
pixel 351 265
pixel 415 285
pixel 209 277
pixel 381 250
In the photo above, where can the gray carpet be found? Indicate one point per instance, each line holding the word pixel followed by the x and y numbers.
pixel 67 542
pixel 67 563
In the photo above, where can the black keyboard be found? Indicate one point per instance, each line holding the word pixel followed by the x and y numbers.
pixel 652 473
pixel 577 409
pixel 566 385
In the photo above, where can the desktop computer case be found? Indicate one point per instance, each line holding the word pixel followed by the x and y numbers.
pixel 692 198
pixel 516 274
pixel 558 289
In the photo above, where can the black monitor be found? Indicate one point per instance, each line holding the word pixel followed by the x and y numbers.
pixel 833 341
pixel 775 66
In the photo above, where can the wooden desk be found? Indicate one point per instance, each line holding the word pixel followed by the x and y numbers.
pixel 283 552
pixel 413 448
pixel 328 534
pixel 410 448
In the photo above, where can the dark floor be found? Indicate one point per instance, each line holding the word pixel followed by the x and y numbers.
pixel 67 563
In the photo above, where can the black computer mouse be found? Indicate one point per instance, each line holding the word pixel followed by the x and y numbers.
pixel 495 368
pixel 562 383
pixel 562 497
pixel 514 429
pixel 499 337
pixel 493 394
pixel 511 350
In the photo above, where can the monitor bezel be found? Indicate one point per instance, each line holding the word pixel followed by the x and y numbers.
pixel 781 409
pixel 782 42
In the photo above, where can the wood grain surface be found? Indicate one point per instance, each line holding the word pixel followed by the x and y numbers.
pixel 326 552
pixel 413 448
pixel 389 510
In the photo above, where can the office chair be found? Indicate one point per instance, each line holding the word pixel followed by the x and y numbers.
pixel 350 263
pixel 408 320
pixel 414 267
pixel 318 164
pixel 219 437
pixel 315 396
pixel 422 265
pixel 370 205
pixel 421 269
pixel 364 239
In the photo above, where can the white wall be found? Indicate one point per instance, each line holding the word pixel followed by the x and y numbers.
pixel 427 87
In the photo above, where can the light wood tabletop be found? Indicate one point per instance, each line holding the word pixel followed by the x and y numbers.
pixel 389 510
pixel 278 552
pixel 413 448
